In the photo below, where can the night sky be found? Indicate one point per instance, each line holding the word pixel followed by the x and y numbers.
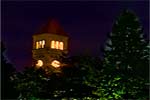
pixel 87 24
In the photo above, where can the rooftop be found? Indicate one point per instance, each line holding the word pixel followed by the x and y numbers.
pixel 52 27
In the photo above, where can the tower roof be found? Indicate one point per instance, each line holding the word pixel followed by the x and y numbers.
pixel 52 27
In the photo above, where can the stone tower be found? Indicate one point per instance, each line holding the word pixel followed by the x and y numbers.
pixel 49 44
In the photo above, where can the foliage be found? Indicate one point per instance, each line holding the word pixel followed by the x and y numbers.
pixel 30 82
pixel 126 45
pixel 126 53
pixel 81 72
pixel 70 83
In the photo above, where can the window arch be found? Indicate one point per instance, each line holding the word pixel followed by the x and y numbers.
pixel 61 45
pixel 53 44
pixel 40 44
pixel 37 45
pixel 57 45
pixel 43 43
pixel 39 63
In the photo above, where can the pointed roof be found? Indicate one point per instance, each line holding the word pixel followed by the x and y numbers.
pixel 52 27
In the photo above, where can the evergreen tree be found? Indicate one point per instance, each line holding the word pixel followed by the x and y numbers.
pixel 127 46
pixel 127 54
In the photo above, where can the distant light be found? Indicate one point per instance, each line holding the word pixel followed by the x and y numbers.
pixel 61 45
pixel 53 44
pixel 55 64
pixel 57 44
pixel 40 44
pixel 43 43
pixel 39 63
pixel 37 45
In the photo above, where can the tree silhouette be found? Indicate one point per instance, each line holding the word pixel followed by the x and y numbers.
pixel 70 83
pixel 30 83
pixel 81 75
pixel 7 72
pixel 126 56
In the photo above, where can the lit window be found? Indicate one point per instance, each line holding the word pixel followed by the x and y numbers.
pixel 39 63
pixel 43 44
pixel 53 44
pixel 57 45
pixel 40 44
pixel 37 45
pixel 61 45
pixel 55 64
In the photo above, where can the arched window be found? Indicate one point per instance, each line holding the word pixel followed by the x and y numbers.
pixel 55 64
pixel 40 44
pixel 39 63
pixel 52 44
pixel 43 43
pixel 37 45
pixel 57 45
pixel 61 45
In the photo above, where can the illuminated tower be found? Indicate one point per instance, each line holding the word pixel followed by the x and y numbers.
pixel 49 44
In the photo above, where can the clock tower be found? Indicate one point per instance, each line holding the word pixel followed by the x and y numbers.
pixel 49 43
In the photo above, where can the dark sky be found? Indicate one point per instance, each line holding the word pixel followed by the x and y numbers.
pixel 87 24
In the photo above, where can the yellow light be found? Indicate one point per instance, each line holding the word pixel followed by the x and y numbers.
pixel 61 46
pixel 37 45
pixel 43 43
pixel 57 45
pixel 40 42
pixel 55 64
pixel 52 44
pixel 39 63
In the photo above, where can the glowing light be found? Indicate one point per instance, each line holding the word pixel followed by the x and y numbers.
pixel 61 46
pixel 43 43
pixel 40 44
pixel 52 44
pixel 37 45
pixel 39 63
pixel 57 45
pixel 55 64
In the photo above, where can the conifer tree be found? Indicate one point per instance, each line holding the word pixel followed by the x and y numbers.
pixel 127 55
pixel 126 48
